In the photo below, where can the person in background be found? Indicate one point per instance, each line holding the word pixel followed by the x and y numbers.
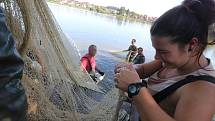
pixel 132 51
pixel 88 63
pixel 139 58
pixel 180 82
pixel 13 100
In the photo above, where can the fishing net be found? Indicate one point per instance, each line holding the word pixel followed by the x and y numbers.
pixel 56 87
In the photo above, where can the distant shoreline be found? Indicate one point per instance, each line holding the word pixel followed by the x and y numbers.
pixel 119 13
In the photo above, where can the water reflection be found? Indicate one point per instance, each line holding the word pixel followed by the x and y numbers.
pixel 210 53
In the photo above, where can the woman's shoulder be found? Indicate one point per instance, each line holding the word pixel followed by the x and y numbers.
pixel 197 96
pixel 202 84
pixel 205 78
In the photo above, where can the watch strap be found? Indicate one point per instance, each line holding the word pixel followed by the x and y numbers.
pixel 138 86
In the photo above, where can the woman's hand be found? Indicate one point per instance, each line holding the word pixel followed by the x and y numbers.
pixel 121 66
pixel 125 76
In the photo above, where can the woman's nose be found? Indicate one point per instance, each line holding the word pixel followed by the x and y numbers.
pixel 157 56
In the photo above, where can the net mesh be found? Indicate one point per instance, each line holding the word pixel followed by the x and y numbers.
pixel 56 87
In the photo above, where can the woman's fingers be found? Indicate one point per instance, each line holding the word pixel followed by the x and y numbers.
pixel 131 67
pixel 119 66
pixel 116 79
pixel 125 77
pixel 120 69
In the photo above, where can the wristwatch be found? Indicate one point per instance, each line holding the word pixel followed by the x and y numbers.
pixel 134 88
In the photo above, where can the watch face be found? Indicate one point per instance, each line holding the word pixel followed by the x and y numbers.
pixel 132 89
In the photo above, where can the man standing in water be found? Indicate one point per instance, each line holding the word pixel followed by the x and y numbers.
pixel 139 58
pixel 132 51
pixel 88 63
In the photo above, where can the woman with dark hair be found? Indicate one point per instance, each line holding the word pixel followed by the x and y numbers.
pixel 181 80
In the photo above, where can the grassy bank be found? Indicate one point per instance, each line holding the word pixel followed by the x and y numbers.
pixel 120 13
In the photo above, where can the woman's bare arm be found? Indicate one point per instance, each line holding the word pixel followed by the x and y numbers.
pixel 147 69
pixel 196 103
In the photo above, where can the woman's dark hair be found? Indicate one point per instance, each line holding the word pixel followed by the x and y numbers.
pixel 190 19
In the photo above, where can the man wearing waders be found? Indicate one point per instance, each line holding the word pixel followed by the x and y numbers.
pixel 88 63
pixel 132 51
pixel 13 101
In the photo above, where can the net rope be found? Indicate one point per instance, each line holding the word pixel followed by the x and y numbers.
pixel 57 89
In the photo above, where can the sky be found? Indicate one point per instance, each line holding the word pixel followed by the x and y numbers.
pixel 153 8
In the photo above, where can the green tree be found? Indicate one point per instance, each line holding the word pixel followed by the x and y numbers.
pixel 128 12
pixel 122 11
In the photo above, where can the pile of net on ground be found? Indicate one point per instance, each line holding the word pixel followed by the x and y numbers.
pixel 56 87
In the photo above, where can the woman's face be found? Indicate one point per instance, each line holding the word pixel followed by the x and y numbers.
pixel 169 53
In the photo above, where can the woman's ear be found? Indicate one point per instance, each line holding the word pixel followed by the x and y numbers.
pixel 193 44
